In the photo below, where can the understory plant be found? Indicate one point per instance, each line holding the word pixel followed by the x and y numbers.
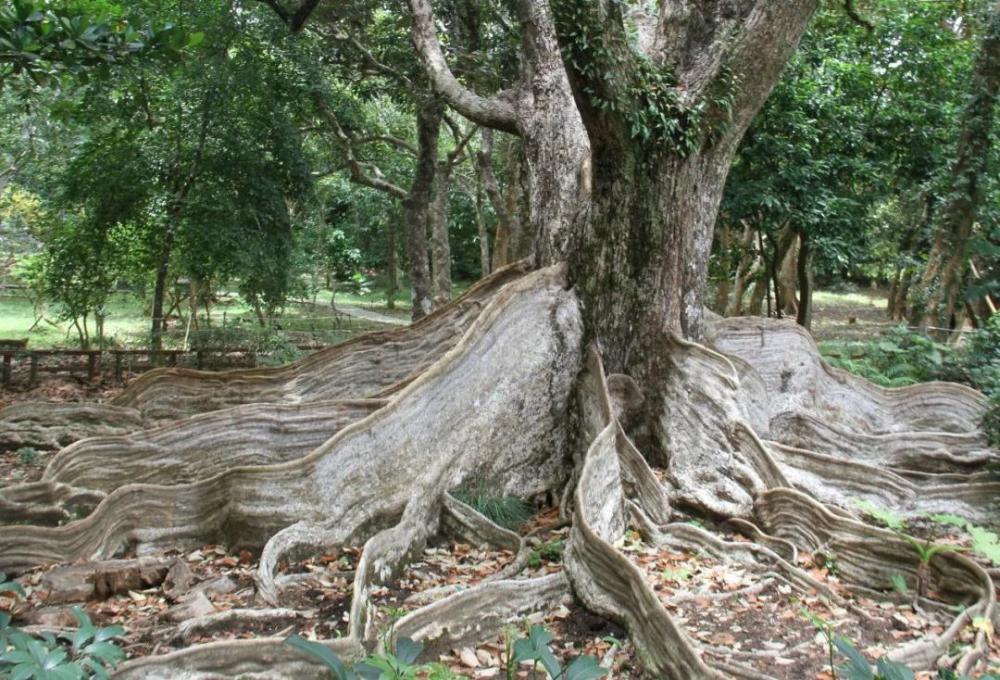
pixel 860 668
pixel 401 664
pixel 87 652
pixel 903 357
pixel 509 512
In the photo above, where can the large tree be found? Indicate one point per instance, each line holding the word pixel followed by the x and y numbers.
pixel 566 376
pixel 937 299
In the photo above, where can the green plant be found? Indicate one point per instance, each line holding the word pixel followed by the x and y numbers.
pixel 899 583
pixel 984 542
pixel 397 665
pixel 509 512
pixel 535 648
pixel 887 517
pixel 826 628
pixel 28 455
pixel 87 652
pixel 859 668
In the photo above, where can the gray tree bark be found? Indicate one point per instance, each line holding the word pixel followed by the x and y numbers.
pixel 417 207
pixel 936 301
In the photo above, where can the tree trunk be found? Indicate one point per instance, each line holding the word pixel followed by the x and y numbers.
pixel 483 233
pixel 392 262
pixel 726 260
pixel 640 262
pixel 937 299
pixel 746 269
pixel 501 238
pixel 416 207
pixel 761 286
pixel 787 276
pixel 440 247
pixel 159 290
pixel 804 313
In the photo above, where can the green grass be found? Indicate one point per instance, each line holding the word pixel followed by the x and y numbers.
pixel 855 299
pixel 127 323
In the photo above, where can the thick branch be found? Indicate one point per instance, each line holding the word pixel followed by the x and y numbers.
pixel 400 144
pixel 752 41
pixel 294 20
pixel 493 112
pixel 358 175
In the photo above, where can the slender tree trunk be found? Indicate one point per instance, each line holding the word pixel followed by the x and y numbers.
pixel 416 207
pixel 495 195
pixel 804 313
pixel 159 289
pixel 193 286
pixel 392 262
pixel 937 299
pixel 726 262
pixel 755 307
pixel 787 277
pixel 440 246
pixel 483 233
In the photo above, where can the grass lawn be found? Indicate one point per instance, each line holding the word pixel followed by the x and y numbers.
pixel 127 324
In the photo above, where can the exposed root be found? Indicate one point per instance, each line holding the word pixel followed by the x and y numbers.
pixel 52 426
pixel 870 557
pixel 799 381
pixel 192 628
pixel 366 366
pixel 604 579
pixel 368 471
pixel 476 613
pixel 372 365
pixel 303 473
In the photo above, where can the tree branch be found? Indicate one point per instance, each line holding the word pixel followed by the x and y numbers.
pixel 852 12
pixel 400 144
pixel 493 112
pixel 295 21
pixel 749 41
pixel 355 167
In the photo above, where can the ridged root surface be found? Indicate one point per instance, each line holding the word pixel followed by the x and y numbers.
pixel 369 366
pixel 520 407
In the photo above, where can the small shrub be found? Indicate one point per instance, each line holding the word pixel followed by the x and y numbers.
pixel 903 357
pixel 28 455
pixel 509 512
pixel 87 652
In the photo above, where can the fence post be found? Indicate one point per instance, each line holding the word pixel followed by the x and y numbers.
pixel 118 366
pixel 33 372
pixel 7 358
pixel 91 366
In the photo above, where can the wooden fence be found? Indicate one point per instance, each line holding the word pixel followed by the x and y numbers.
pixel 95 362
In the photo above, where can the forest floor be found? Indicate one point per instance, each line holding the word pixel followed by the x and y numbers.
pixel 746 614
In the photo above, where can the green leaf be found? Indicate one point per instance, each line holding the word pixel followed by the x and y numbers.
pixel 407 650
pixel 368 670
pixel 892 670
pixel 857 667
pixel 584 668
pixel 323 653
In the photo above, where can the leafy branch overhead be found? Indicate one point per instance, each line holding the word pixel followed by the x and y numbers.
pixel 47 41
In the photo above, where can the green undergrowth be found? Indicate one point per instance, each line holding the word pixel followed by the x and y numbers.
pixel 509 512
pixel 901 357
pixel 534 648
